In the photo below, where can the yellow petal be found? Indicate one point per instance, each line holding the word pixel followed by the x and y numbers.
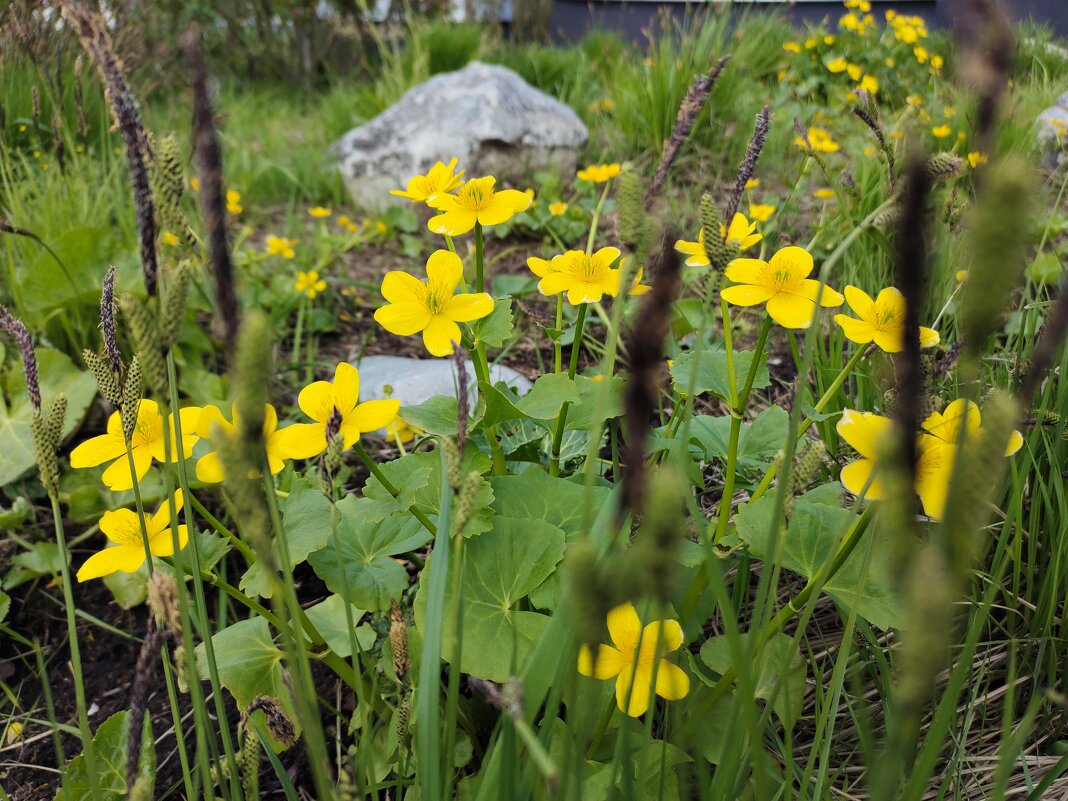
pixel 439 335
pixel 540 267
pixel 929 337
pixel 811 289
pixel 634 690
pixel 795 260
pixel 672 682
pixel 624 626
pixel 1016 442
pixel 659 638
pixel 746 271
pixel 317 401
pixel 860 302
pixel 98 450
pixel 400 287
pixel 162 544
pixel 444 269
pixel 124 558
pixel 890 340
pixel 211 423
pixel 346 386
pixel 161 520
pixel 403 319
pixel 117 477
pixel 863 431
pixel 791 311
pixel 584 292
pixel 452 223
pixel 302 440
pixel 373 415
pixel 210 468
pixel 604 257
pixel 121 526
pixel 555 283
pixel 746 294
pixel 855 330
pixel 857 475
pixel 465 308
pixel 605 665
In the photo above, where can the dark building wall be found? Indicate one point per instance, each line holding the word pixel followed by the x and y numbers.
pixel 572 18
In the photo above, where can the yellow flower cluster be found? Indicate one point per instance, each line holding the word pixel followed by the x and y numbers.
pixel 907 29
pixel 817 139
pixel 586 278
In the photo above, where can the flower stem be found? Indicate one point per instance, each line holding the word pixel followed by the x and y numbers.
pixel 392 490
pixel 806 424
pixel 479 258
pixel 737 413
pixel 298 329
pixel 558 349
pixel 75 652
pixel 561 420
pixel 597 217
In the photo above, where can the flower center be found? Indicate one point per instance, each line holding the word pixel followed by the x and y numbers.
pixel 885 318
pixel 437 297
pixel 473 196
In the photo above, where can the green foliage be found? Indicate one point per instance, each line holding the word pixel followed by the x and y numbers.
pixel 109 748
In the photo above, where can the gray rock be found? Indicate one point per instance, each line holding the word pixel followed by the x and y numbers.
pixel 1051 138
pixel 485 115
pixel 413 381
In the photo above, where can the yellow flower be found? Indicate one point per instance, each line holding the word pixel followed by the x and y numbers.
pixel 824 193
pixel 586 279
pixel 279 246
pixel 344 221
pixel 829 39
pixel 529 192
pixel 882 320
pixel 889 61
pixel 169 239
pixel 752 183
pixel 865 432
pixel 381 228
pixel 741 232
pixel 608 104
pixel 920 53
pixel 440 178
pixel 638 655
pixel 854 71
pixel 837 65
pixel 335 405
pixel 761 212
pixel 946 425
pixel 194 184
pixel 869 84
pixel 914 100
pixel 818 139
pixel 123 528
pixel 792 47
pixel 212 426
pixel 783 284
pixel 430 306
pixel 233 201
pixel 941 131
pixel 558 208
pixel 319 212
pixel 975 158
pixel 936 63
pixel 309 283
pixel 960 275
pixel 22 128
pixel 810 43
pixel 598 173
pixel 475 202
pixel 146 444
pixel 401 431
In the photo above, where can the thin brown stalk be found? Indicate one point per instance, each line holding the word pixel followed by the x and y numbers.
pixel 690 107
pixel 752 154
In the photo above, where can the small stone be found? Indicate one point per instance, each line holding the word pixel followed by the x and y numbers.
pixel 1051 133
pixel 485 115
pixel 413 381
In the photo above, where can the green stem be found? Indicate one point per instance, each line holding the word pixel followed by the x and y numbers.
pixel 75 652
pixel 222 530
pixel 597 217
pixel 826 572
pixel 723 515
pixel 392 490
pixel 297 331
pixel 561 420
pixel 806 424
pixel 558 349
pixel 479 259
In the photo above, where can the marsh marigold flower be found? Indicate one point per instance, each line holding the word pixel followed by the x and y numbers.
pixel 941 131
pixel 558 208
pixel 431 306
pixel 279 246
pixel 783 284
pixel 817 139
pixel 319 212
pixel 638 655
pixel 585 278
pixel 146 444
pixel 946 425
pixel 975 158
pixel 475 202
pixel 169 238
pixel 598 173
pixel 335 405
pixel 233 201
pixel 882 320
pixel 761 212
pixel 865 433
pixel 211 426
pixel 439 179
pixel 741 233
pixel 123 528
pixel 309 283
